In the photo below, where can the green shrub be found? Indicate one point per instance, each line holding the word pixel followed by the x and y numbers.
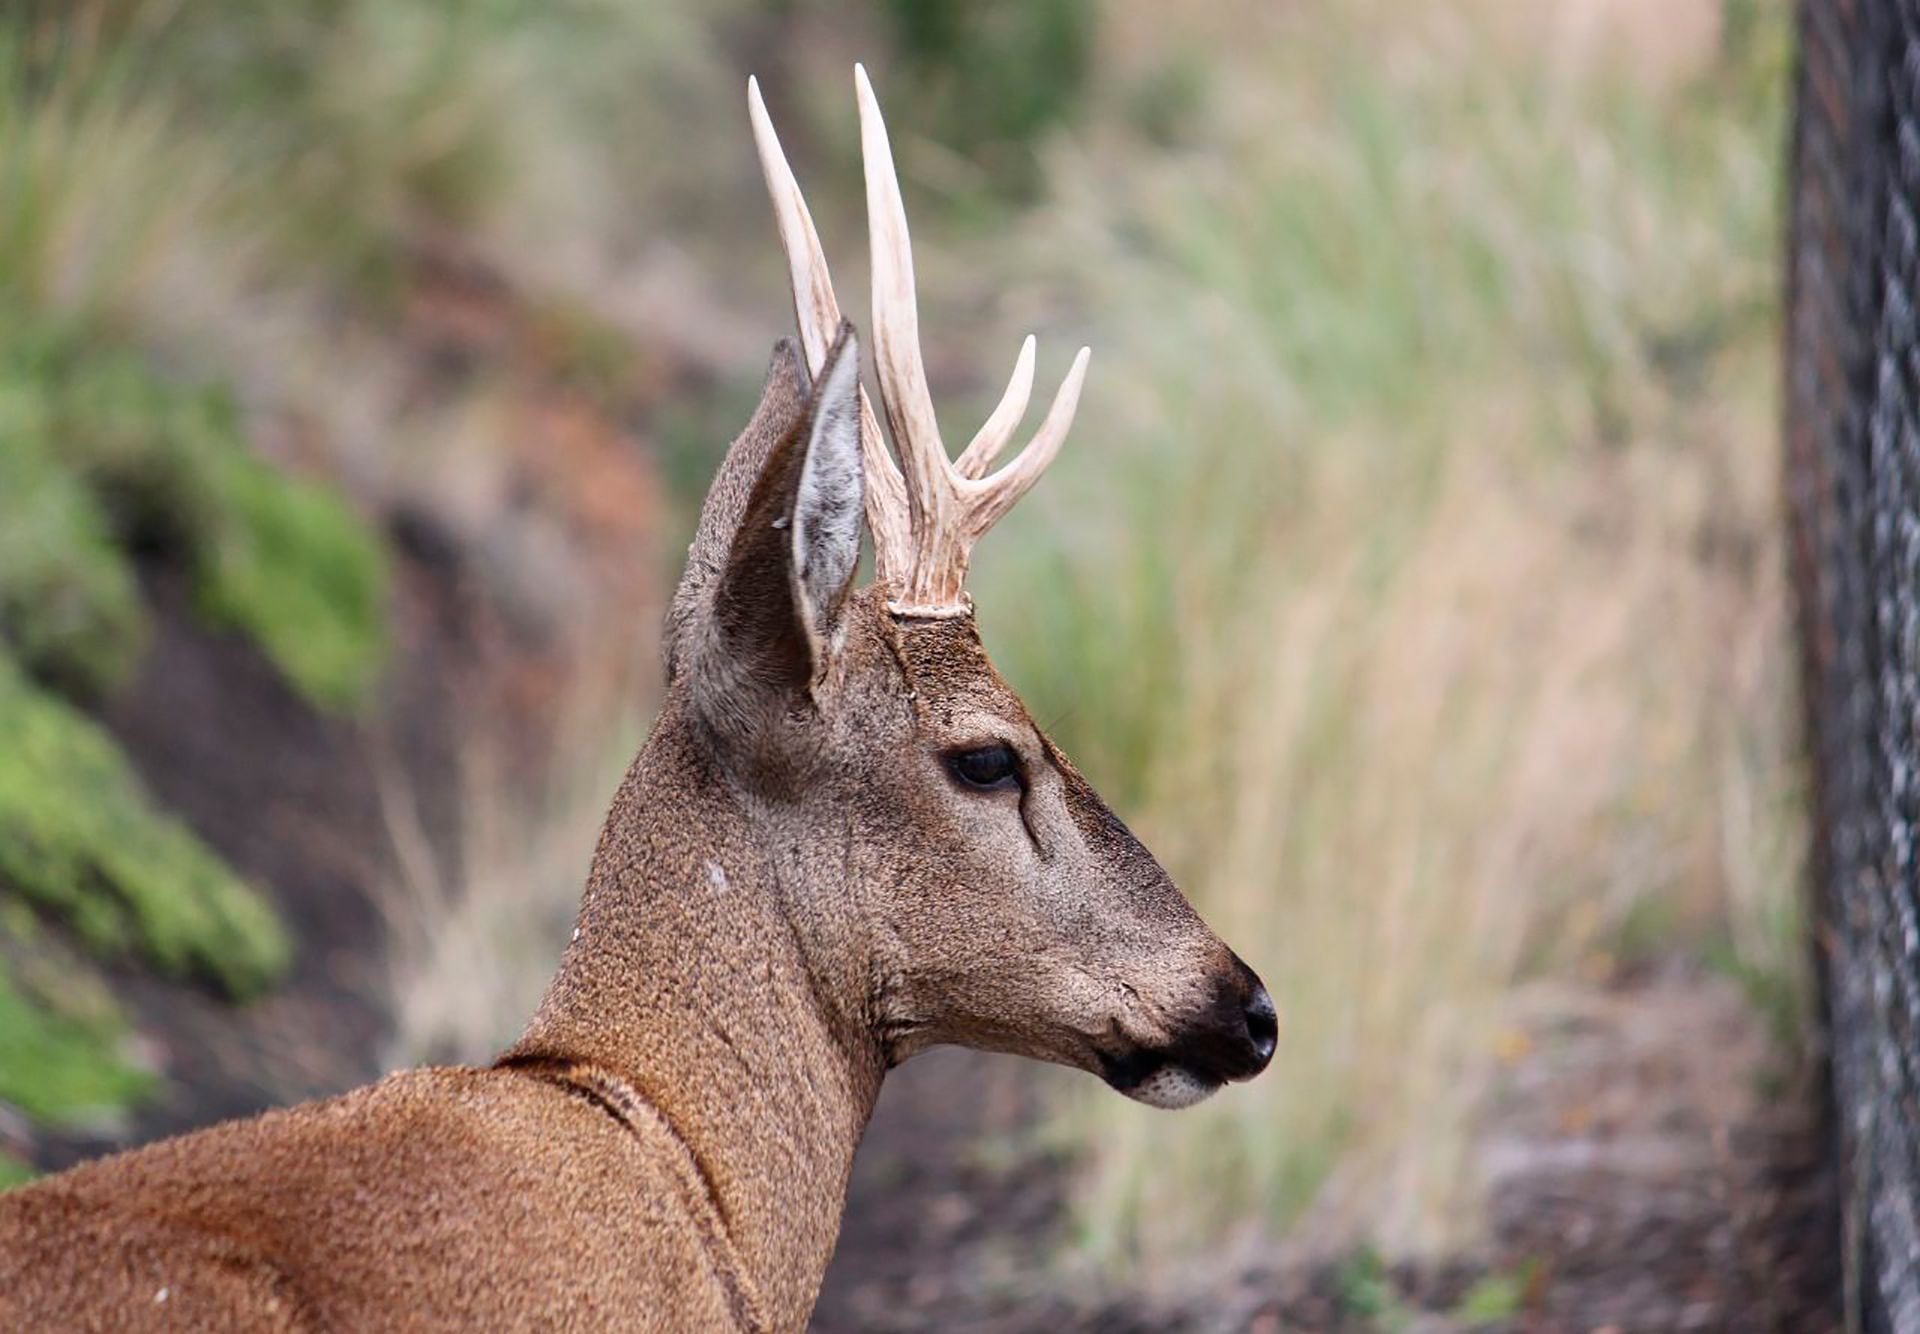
pixel 1495 1299
pixel 68 601
pixel 13 1172
pixel 292 567
pixel 61 1060
pixel 106 455
pixel 79 838
pixel 150 449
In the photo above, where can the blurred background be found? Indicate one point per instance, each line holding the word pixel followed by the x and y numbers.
pixel 1412 583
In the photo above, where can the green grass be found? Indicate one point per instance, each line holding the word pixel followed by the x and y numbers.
pixel 344 133
pixel 117 451
pixel 80 839
pixel 990 81
pixel 1368 1293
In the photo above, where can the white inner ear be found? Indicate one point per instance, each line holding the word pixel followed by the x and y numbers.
pixel 828 508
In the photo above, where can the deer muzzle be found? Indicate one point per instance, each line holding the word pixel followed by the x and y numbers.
pixel 1231 1039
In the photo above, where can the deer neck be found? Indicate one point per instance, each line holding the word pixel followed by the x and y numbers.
pixel 739 1021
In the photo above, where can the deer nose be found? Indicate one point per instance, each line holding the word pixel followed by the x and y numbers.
pixel 1263 1026
pixel 1257 1014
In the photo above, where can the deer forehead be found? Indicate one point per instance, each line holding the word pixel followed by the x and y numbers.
pixel 946 660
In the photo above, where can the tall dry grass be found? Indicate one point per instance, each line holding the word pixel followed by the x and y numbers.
pixel 476 923
pixel 1411 582
pixel 1414 575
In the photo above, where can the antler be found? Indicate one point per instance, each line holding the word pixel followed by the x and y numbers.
pixel 927 513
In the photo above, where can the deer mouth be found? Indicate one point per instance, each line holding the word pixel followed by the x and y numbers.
pixel 1185 1073
pixel 1233 1040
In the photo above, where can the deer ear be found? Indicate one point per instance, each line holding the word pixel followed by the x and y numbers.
pixel 783 407
pixel 829 502
pixel 767 633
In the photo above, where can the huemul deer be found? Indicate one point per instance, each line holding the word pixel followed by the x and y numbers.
pixel 844 842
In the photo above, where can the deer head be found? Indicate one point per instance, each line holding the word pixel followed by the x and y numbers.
pixel 941 861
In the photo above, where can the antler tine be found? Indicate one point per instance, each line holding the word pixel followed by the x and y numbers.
pixel 814 306
pixel 999 426
pixel 896 326
pixel 818 315
pixel 998 493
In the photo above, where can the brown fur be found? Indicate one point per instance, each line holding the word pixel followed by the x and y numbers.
pixel 791 894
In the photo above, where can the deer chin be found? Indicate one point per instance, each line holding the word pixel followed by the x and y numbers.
pixel 1158 1078
pixel 1171 1088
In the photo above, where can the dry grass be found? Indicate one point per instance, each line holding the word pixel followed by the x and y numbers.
pixel 1423 599
pixel 109 193
pixel 1549 726
pixel 476 930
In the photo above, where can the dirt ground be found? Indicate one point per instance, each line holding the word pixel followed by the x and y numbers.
pixel 1651 1164
pixel 284 795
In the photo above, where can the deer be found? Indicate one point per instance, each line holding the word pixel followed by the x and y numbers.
pixel 844 842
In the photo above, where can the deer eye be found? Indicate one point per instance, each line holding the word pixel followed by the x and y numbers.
pixel 985 768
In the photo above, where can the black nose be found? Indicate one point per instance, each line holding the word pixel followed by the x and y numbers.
pixel 1263 1026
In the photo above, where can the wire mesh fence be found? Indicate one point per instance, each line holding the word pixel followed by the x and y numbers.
pixel 1853 489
